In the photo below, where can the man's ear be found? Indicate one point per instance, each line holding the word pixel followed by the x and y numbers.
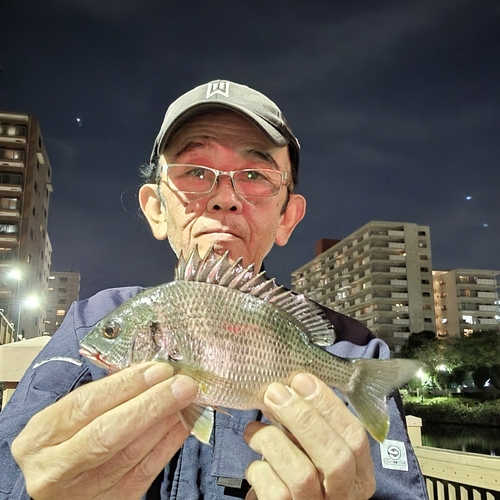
pixel 154 210
pixel 294 213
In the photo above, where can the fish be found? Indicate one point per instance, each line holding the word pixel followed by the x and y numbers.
pixel 234 331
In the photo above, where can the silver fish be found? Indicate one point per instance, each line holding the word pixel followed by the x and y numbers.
pixel 235 332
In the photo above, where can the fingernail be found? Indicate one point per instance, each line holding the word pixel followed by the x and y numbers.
pixel 304 385
pixel 157 373
pixel 278 394
pixel 184 388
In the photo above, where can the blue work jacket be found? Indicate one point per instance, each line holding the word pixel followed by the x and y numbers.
pixel 197 471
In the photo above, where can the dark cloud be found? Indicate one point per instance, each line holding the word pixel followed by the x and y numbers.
pixel 396 105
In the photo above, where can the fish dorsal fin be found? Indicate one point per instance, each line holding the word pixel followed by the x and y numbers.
pixel 218 269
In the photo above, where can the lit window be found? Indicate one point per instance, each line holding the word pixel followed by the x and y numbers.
pixel 60 312
pixel 468 319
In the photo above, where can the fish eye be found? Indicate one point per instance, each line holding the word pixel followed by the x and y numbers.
pixel 111 329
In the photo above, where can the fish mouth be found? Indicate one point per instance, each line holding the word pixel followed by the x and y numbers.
pixel 96 356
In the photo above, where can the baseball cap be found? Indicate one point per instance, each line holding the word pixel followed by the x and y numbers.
pixel 250 103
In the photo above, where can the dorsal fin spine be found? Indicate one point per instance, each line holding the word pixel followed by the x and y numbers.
pixel 218 270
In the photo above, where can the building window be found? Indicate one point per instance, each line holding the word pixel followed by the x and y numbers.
pixel 423 257
pixel 60 312
pixel 422 244
pixel 14 179
pixel 35 187
pixel 31 234
pixel 63 279
pixel 425 282
pixel 8 228
pixel 62 301
pixel 9 203
pixel 34 212
pixel 421 233
pixel 424 269
pixel 62 290
pixel 427 320
pixel 426 294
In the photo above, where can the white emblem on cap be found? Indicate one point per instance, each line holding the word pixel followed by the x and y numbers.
pixel 218 87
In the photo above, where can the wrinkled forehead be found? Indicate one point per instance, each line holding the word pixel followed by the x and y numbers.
pixel 219 125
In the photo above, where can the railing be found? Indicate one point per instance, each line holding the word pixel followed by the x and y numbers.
pixel 455 475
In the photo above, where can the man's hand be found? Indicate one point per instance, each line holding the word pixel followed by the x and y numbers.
pixel 107 439
pixel 324 455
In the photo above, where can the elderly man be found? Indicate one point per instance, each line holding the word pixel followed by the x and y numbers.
pixel 69 432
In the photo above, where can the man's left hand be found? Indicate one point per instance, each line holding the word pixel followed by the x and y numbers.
pixel 323 454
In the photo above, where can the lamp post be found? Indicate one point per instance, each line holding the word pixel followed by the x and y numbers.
pixel 16 274
pixel 421 375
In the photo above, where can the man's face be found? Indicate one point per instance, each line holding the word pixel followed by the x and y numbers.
pixel 223 219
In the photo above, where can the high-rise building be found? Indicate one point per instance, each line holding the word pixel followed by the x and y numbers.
pixel 25 250
pixel 466 301
pixel 64 289
pixel 381 274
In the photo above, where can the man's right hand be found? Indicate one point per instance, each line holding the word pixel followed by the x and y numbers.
pixel 107 439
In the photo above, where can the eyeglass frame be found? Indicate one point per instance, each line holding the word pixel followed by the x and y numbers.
pixel 230 173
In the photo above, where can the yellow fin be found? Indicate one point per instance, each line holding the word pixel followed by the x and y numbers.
pixel 199 420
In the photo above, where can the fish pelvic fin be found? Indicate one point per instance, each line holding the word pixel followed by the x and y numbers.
pixel 199 420
pixel 372 381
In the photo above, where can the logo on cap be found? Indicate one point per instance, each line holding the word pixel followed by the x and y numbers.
pixel 218 87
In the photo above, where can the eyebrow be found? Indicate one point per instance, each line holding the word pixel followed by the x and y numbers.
pixel 263 154
pixel 189 146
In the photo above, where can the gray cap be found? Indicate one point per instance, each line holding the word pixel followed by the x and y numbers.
pixel 253 105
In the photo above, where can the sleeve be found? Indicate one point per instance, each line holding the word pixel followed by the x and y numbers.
pixel 55 372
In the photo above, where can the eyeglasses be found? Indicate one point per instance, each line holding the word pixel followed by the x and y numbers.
pixel 250 183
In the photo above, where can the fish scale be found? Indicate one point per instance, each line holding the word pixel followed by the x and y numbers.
pixel 235 332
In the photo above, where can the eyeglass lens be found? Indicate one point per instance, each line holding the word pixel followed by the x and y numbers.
pixel 259 183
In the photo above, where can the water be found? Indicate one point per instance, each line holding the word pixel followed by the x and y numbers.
pixel 471 439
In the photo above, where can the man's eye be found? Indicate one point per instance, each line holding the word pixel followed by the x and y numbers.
pixel 255 175
pixel 198 173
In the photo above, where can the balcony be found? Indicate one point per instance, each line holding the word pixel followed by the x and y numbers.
pixel 399 282
pixel 400 321
pixel 393 244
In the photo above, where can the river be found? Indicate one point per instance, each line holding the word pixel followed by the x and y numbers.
pixel 472 439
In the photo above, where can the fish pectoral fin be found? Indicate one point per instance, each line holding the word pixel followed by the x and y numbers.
pixel 199 420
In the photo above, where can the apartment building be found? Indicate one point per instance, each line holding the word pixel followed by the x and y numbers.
pixel 381 274
pixel 64 289
pixel 466 301
pixel 25 250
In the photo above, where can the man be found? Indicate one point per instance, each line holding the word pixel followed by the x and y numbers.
pixel 119 436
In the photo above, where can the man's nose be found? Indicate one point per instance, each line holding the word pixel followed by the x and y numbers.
pixel 223 196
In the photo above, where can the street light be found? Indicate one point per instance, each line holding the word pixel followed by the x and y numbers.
pixel 421 376
pixel 30 302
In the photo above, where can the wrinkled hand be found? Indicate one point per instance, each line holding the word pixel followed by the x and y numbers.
pixel 324 455
pixel 107 439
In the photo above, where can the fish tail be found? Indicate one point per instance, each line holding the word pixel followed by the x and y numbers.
pixel 372 381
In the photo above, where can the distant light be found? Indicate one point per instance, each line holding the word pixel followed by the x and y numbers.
pixel 15 274
pixel 442 368
pixel 468 198
pixel 485 224
pixel 78 120
pixel 32 301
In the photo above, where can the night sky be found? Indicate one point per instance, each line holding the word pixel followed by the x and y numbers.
pixel 396 104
